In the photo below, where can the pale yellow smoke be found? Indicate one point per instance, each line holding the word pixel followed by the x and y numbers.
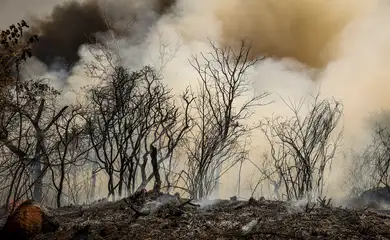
pixel 347 40
pixel 306 30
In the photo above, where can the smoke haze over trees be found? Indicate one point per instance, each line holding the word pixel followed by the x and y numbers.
pixel 190 96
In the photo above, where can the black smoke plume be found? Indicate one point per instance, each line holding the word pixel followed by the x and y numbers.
pixel 73 24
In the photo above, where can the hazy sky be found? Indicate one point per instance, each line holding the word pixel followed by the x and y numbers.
pixel 12 11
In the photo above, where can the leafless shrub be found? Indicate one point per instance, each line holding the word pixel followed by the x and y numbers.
pixel 301 147
pixel 361 174
pixel 218 139
pixel 324 202
pixel 369 168
pixel 309 206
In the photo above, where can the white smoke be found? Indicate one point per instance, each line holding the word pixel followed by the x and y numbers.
pixel 341 48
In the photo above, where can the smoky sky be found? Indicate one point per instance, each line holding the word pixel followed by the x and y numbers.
pixel 73 24
pixel 164 6
pixel 69 26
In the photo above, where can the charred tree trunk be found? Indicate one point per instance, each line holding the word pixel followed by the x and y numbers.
pixel 144 177
pixel 37 167
pixel 61 185
pixel 157 178
pixel 93 182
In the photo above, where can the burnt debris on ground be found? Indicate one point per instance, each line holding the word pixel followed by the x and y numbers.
pixel 150 215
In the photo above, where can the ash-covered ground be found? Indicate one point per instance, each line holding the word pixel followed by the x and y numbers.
pixel 161 216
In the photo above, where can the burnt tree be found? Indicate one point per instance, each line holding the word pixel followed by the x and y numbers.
pixel 303 147
pixel 224 102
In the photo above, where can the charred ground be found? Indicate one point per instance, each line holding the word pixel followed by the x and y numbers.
pixel 160 216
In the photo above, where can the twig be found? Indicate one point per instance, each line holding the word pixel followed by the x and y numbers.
pixel 308 209
pixel 323 202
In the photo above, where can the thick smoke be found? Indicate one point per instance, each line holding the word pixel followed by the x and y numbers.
pixel 69 26
pixel 73 24
pixel 347 42
pixel 306 30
